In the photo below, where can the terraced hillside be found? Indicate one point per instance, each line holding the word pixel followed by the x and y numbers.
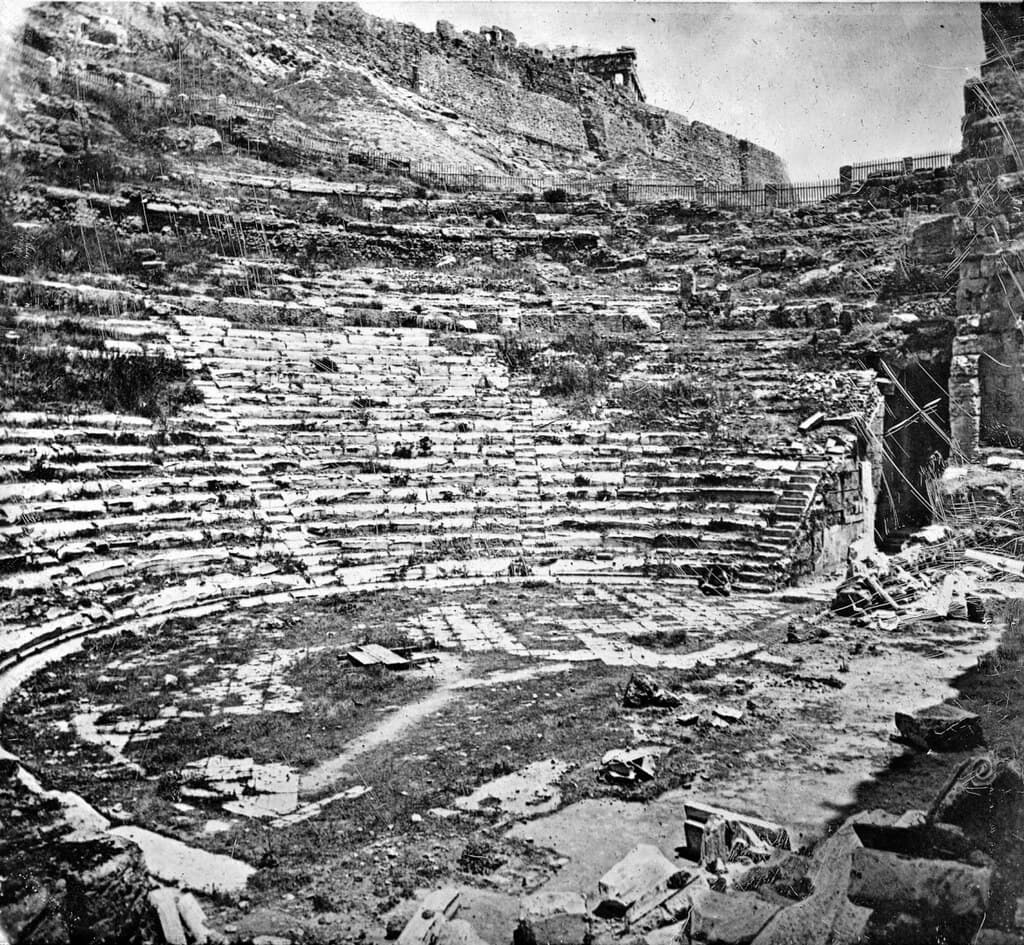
pixel 390 384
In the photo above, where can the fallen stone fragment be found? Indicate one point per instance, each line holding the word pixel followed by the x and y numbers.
pixel 814 421
pixel 728 713
pixel 647 904
pixel 629 764
pixel 729 919
pixel 194 919
pixel 667 905
pixel 459 932
pixel 714 844
pixel 880 879
pixel 163 902
pixel 643 871
pixel 698 816
pixel 431 914
pixel 826 915
pixel 553 918
pixel 943 728
pixel 644 691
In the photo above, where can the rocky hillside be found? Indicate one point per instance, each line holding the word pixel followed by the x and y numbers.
pixel 475 100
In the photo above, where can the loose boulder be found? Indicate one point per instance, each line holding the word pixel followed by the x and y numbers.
pixel 643 691
pixel 943 728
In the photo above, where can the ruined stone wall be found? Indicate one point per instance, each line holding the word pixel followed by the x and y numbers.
pixel 707 152
pixel 987 376
pixel 844 510
pixel 844 517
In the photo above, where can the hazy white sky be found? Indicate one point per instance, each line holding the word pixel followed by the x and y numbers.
pixel 822 84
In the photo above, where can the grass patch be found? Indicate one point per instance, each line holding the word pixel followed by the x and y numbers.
pixel 139 385
pixel 566 379
pixel 653 405
pixel 338 704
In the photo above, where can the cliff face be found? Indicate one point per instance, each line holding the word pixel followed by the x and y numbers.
pixel 478 99
pixel 987 381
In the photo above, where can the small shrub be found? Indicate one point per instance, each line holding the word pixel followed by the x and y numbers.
pixel 516 354
pixel 555 195
pixel 652 405
pixel 586 344
pixel 572 378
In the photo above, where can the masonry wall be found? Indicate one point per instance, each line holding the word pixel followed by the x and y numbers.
pixel 489 98
pixel 987 374
pixel 707 152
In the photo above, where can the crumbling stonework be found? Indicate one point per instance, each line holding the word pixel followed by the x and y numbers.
pixel 617 68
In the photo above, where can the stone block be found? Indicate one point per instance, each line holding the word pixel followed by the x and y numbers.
pixel 553 918
pixel 880 879
pixel 729 918
pixel 827 915
pixel 642 871
pixel 943 728
pixel 163 902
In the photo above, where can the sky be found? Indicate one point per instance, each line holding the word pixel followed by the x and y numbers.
pixel 821 84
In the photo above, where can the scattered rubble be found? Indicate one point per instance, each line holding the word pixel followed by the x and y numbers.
pixel 644 691
pixel 630 764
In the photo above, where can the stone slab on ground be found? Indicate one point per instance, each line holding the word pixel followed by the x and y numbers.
pixel 163 903
pixel 430 915
pixel 880 879
pixel 553 918
pixel 942 728
pixel 729 919
pixel 643 871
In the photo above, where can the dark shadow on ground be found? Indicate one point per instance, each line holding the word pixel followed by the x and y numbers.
pixel 994 689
